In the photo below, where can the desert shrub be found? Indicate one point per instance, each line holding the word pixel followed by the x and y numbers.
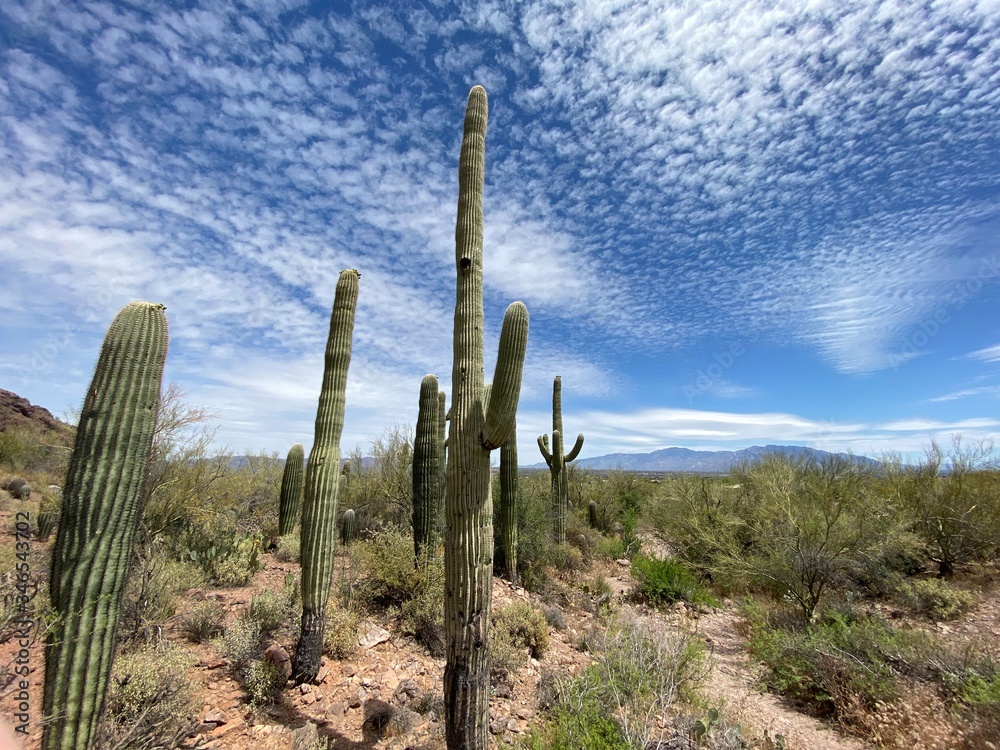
pixel 627 698
pixel 663 582
pixel 340 636
pixel 288 548
pixel 380 487
pixel 150 701
pixel 935 598
pixel 268 610
pixel 153 583
pixel 575 716
pixel 953 502
pixel 203 622
pixel 240 643
pixel 263 682
pixel 389 580
pixel 842 666
pixel 516 628
pixel 32 449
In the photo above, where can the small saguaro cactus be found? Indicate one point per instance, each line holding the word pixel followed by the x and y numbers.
pixel 508 508
pixel 592 513
pixel 323 482
pixel 291 490
pixel 474 430
pixel 556 461
pixel 442 458
pixel 426 465
pixel 101 505
pixel 347 527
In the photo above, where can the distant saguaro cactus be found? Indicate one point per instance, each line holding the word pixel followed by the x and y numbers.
pixel 426 465
pixel 291 490
pixel 556 461
pixel 347 527
pixel 101 506
pixel 323 482
pixel 592 513
pixel 508 507
pixel 474 430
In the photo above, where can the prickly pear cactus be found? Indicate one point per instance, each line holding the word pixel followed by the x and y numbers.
pixel 556 461
pixel 474 430
pixel 291 490
pixel 323 481
pixel 100 512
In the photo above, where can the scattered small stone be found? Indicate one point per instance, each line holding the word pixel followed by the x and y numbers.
pixel 305 737
pixel 215 716
pixel 372 635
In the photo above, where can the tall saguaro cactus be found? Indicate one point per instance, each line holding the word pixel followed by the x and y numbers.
pixel 556 461
pixel 474 431
pixel 426 465
pixel 100 512
pixel 319 510
pixel 508 507
pixel 291 490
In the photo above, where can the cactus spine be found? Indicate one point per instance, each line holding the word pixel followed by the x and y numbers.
pixel 508 507
pixel 291 490
pixel 474 431
pixel 426 465
pixel 100 512
pixel 556 461
pixel 323 481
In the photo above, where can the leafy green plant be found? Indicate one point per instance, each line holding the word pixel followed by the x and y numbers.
pixel 936 598
pixel 288 548
pixel 340 637
pixel 516 628
pixel 263 682
pixel 663 582
pixel 240 643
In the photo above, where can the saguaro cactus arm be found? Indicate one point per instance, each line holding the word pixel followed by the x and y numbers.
pixel 543 446
pixel 506 386
pixel 100 512
pixel 577 446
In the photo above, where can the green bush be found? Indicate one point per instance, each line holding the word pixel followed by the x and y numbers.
pixel 844 661
pixel 264 682
pixel 150 702
pixel 388 580
pixel 515 628
pixel 203 622
pixel 663 582
pixel 576 717
pixel 153 584
pixel 288 548
pixel 240 643
pixel 935 598
pixel 340 637
pixel 268 611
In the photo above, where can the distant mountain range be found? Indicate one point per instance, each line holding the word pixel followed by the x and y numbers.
pixel 699 462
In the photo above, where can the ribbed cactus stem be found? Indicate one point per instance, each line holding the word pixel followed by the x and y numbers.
pixel 442 459
pixel 426 465
pixel 556 460
pixel 291 490
pixel 472 433
pixel 508 507
pixel 347 527
pixel 323 481
pixel 592 513
pixel 100 511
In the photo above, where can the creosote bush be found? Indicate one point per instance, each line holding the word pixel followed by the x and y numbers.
pixel 663 582
pixel 517 631
pixel 936 598
pixel 340 637
pixel 203 622
pixel 151 703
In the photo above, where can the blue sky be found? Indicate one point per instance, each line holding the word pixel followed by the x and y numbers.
pixel 732 223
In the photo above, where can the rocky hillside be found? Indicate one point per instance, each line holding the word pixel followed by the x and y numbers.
pixel 18 411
